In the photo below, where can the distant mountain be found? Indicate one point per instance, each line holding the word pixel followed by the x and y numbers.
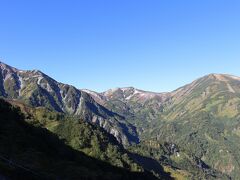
pixel 136 105
pixel 37 89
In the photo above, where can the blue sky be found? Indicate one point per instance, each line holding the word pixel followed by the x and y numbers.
pixel 156 45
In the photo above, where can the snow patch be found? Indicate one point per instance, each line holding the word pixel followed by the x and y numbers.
pixel 230 88
pixel 142 94
pixel 49 89
pixel 7 77
pixel 61 93
pixel 21 84
pixel 134 93
pixel 80 105
pixel 44 85
pixel 39 80
pixel 114 132
pixel 91 93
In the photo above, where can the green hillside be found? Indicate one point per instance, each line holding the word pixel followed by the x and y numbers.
pixel 194 128
pixel 29 151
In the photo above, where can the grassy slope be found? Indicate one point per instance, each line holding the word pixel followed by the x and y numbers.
pixel 201 118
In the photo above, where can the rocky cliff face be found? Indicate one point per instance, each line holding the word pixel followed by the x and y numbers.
pixel 37 89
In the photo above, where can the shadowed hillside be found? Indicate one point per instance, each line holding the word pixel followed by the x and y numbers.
pixel 29 152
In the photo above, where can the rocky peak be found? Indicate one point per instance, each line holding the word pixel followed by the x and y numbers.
pixel 219 77
pixel 127 93
pixel 7 68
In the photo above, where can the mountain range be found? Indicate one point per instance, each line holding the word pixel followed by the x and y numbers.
pixel 191 133
pixel 37 89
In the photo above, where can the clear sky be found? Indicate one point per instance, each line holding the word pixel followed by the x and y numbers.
pixel 156 45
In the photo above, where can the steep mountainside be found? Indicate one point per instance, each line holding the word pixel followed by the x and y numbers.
pixel 217 94
pixel 137 106
pixel 37 89
pixel 201 119
pixel 28 151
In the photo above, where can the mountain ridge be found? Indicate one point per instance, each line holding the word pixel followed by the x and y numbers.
pixel 219 76
pixel 37 89
pixel 194 128
pixel 201 118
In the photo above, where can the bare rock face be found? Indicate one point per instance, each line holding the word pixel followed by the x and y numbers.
pixel 37 89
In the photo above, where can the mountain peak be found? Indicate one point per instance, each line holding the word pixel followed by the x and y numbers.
pixel 222 77
pixel 4 66
pixel 37 72
pixel 127 88
pixel 219 77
